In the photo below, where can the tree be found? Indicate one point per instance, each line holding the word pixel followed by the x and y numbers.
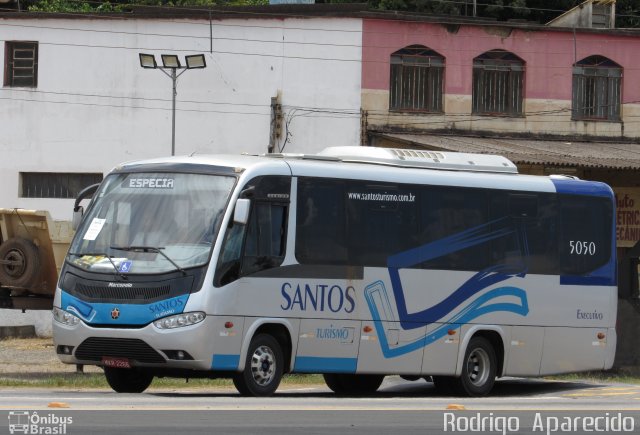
pixel 121 5
pixel 539 11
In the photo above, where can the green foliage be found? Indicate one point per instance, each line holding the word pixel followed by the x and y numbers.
pixel 97 380
pixel 71 6
pixel 540 11
pixel 93 6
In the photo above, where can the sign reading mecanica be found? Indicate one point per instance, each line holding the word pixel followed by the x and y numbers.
pixel 627 216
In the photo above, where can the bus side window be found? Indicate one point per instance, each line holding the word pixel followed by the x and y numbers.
pixel 585 238
pixel 260 244
pixel 229 263
pixel 266 235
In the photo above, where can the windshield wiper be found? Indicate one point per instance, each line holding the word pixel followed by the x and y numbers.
pixel 149 249
pixel 101 254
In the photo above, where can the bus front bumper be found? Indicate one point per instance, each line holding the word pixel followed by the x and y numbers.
pixel 189 347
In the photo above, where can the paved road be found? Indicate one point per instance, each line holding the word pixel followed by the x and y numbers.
pixel 404 407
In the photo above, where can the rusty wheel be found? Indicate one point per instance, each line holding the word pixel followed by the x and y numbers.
pixel 19 263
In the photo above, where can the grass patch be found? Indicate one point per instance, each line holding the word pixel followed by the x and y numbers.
pixel 97 381
pixel 608 377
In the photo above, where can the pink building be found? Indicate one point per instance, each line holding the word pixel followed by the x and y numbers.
pixel 497 77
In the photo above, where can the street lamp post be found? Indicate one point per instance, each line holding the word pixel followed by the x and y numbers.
pixel 172 63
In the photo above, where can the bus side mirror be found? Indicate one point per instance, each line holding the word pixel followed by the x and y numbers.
pixel 241 212
pixel 77 217
pixel 78 210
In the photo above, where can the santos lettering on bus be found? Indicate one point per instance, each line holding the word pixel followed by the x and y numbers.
pixel 318 297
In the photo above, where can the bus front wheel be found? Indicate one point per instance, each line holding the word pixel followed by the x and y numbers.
pixel 263 368
pixel 134 380
pixel 345 384
pixel 479 368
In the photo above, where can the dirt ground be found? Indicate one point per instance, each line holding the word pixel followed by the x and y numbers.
pixel 33 355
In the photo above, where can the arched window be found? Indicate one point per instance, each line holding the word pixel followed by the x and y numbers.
pixel 597 84
pixel 416 80
pixel 498 84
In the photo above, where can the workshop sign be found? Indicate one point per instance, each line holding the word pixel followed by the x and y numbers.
pixel 627 216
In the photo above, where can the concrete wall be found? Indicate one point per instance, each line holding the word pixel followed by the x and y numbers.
pixel 41 320
pixel 548 56
pixel 95 107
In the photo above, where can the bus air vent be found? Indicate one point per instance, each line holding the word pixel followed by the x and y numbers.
pixel 102 292
pixel 421 159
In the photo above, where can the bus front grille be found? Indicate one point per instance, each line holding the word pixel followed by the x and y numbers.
pixel 94 348
pixel 102 292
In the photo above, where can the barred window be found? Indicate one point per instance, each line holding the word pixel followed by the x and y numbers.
pixel 416 80
pixel 20 64
pixel 55 185
pixel 498 84
pixel 597 89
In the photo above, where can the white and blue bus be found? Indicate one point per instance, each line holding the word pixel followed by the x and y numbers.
pixel 354 263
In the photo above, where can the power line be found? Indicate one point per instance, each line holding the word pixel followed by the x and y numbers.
pixel 528 66
pixel 342 112
pixel 282 28
pixel 182 50
pixel 164 100
pixel 119 106
pixel 173 35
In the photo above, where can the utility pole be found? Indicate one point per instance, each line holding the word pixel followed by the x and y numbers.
pixel 275 130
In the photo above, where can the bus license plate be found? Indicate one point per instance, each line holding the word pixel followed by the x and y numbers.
pixel 118 363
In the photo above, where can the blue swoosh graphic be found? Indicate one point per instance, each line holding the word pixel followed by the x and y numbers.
pixel 478 307
pixel 499 228
pixel 130 314
pixel 478 235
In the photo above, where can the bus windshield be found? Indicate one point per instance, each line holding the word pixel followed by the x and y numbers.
pixel 151 223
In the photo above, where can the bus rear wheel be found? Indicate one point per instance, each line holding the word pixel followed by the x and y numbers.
pixel 478 369
pixel 346 384
pixel 263 368
pixel 134 380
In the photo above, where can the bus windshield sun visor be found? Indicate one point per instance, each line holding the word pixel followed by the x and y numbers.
pixel 101 254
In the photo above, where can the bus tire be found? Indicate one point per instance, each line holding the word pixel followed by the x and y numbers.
pixel 348 384
pixel 478 368
pixel 263 368
pixel 134 380
pixel 27 255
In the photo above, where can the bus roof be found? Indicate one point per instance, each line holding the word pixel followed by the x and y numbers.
pixel 380 164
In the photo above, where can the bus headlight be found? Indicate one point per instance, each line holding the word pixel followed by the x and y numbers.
pixel 180 320
pixel 65 317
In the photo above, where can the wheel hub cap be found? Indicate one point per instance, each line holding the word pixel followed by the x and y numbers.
pixel 478 367
pixel 263 365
